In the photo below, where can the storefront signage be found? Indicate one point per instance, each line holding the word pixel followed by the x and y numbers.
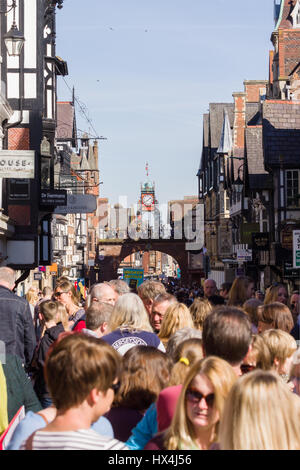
pixel 77 204
pixel 296 249
pixel 261 241
pixel 53 197
pixel 287 238
pixel 133 277
pixel 243 256
pixel 17 164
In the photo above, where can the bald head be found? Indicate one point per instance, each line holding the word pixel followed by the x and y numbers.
pixel 7 277
pixel 209 288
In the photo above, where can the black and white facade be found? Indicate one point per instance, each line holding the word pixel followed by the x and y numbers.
pixel 29 87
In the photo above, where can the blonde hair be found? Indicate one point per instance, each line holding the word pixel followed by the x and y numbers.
pixel 259 353
pixel 272 293
pixel 129 313
pixel 177 316
pixel 281 345
pixel 260 413
pixel 238 292
pixel 186 354
pixel 32 296
pixel 62 315
pixel 199 310
pixel 181 434
pixel 67 286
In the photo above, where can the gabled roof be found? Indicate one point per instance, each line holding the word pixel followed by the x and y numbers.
pixel 225 144
pixel 284 18
pixel 216 117
pixel 254 149
pixel 281 132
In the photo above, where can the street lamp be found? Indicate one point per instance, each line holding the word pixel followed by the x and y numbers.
pixel 14 39
pixel 238 185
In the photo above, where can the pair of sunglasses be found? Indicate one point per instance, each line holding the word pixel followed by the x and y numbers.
pixel 245 368
pixel 58 294
pixel 115 387
pixel 195 397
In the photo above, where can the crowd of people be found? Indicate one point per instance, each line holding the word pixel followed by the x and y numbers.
pixel 168 367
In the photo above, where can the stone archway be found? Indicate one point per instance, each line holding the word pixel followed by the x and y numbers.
pixel 112 252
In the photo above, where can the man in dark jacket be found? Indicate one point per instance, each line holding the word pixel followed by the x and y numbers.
pixel 16 325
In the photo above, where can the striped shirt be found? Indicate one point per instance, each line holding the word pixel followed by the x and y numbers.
pixel 83 439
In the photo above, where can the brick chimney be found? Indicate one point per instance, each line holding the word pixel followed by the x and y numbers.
pixel 239 123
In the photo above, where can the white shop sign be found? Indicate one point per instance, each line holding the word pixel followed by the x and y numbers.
pixel 17 164
pixel 243 256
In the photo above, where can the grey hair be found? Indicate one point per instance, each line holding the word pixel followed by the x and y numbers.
pixel 8 276
pixel 121 287
pixel 178 337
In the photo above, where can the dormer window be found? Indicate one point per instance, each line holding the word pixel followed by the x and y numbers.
pixel 295 14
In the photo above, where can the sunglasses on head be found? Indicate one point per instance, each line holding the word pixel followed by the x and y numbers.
pixel 195 397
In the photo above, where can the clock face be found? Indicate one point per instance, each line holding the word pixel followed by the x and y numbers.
pixel 147 200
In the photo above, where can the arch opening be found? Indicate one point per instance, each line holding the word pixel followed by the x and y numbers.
pixel 155 264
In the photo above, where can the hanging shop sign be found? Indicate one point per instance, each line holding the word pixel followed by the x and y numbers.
pixel 78 204
pixel 261 241
pixel 296 249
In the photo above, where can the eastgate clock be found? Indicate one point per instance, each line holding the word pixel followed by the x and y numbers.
pixel 147 200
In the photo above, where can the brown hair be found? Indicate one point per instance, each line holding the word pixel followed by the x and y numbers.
pixel 278 314
pixel 148 290
pixel 187 353
pixel 77 364
pixel 146 371
pixel 227 334
pixel 250 307
pixel 199 309
pixel 238 292
pixel 97 314
pixel 49 309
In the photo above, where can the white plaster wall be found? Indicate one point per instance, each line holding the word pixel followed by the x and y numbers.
pixel 30 21
pixel 30 85
pixel 13 90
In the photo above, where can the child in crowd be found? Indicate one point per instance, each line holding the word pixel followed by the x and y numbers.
pixel 82 375
pixel 50 316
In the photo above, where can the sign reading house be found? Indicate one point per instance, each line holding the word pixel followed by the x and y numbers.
pixel 17 164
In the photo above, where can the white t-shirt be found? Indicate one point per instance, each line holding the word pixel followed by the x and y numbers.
pixel 83 439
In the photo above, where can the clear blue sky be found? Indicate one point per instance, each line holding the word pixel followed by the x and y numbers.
pixel 147 70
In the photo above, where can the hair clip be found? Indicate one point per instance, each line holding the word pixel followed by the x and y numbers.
pixel 185 361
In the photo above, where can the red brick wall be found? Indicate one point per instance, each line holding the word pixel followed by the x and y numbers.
pixel 239 120
pixel 252 91
pixel 18 139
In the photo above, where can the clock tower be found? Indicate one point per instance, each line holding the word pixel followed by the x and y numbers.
pixel 147 201
pixel 148 212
